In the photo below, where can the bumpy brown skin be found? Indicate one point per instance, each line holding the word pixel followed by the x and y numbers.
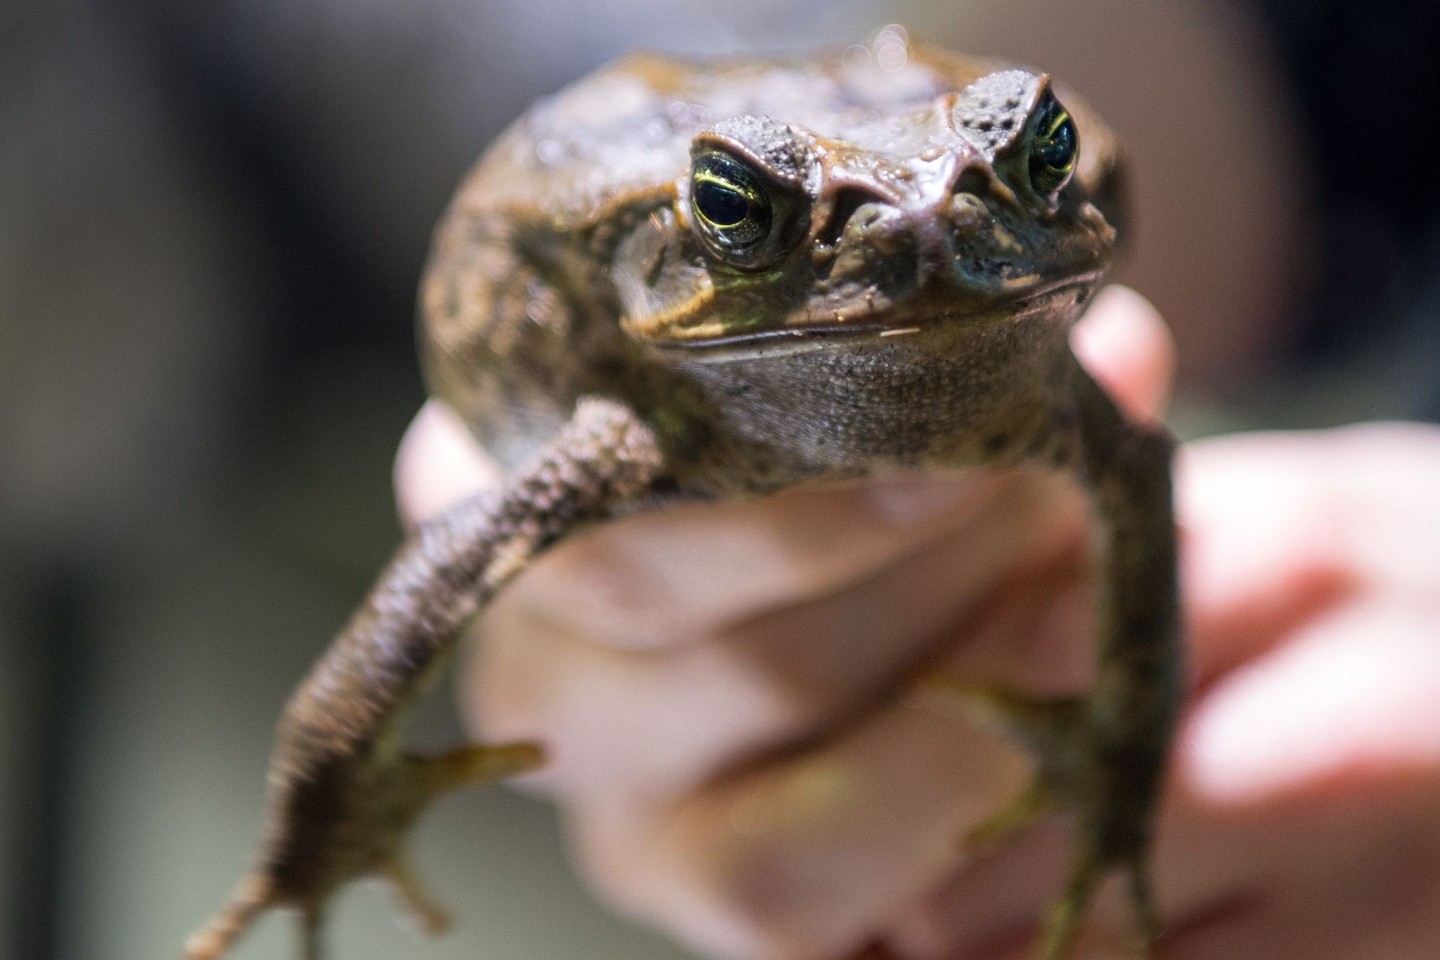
pixel 912 314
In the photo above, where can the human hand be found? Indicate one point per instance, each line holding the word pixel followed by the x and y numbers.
pixel 738 757
pixel 1302 817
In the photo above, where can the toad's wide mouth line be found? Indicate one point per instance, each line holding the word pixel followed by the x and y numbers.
pixel 789 341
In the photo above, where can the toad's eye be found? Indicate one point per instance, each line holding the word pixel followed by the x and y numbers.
pixel 1054 145
pixel 733 206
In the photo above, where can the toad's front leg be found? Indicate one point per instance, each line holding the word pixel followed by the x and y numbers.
pixel 342 791
pixel 1129 715
pixel 1102 756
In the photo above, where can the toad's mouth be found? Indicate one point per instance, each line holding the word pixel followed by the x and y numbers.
pixel 873 327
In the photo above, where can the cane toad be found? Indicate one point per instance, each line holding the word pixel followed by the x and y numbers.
pixel 681 280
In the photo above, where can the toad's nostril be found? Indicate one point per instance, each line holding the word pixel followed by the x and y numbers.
pixel 965 212
pixel 850 201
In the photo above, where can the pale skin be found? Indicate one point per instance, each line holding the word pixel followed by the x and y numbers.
pixel 726 701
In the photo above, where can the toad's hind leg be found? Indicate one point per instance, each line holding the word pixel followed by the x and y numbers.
pixel 342 793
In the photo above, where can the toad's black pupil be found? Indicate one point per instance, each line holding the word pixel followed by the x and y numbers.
pixel 1058 149
pixel 721 205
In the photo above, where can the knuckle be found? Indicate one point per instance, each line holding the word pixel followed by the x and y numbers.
pixel 726 892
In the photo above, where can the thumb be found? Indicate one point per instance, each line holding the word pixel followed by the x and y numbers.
pixel 1124 344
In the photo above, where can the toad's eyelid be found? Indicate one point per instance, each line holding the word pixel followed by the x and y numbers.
pixel 733 185
pixel 1061 117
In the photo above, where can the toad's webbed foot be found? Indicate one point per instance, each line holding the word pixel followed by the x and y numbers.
pixel 1072 774
pixel 302 864
pixel 1088 867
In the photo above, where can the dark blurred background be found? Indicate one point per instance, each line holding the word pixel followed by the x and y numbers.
pixel 212 217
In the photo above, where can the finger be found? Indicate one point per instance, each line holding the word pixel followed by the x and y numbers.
pixel 439 464
pixel 691 565
pixel 1347 699
pixel 1305 786
pixel 1278 528
pixel 666 717
pixel 992 907
pixel 1309 782
pixel 1124 344
pixel 810 856
pixel 667 577
pixel 1382 903
pixel 811 852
